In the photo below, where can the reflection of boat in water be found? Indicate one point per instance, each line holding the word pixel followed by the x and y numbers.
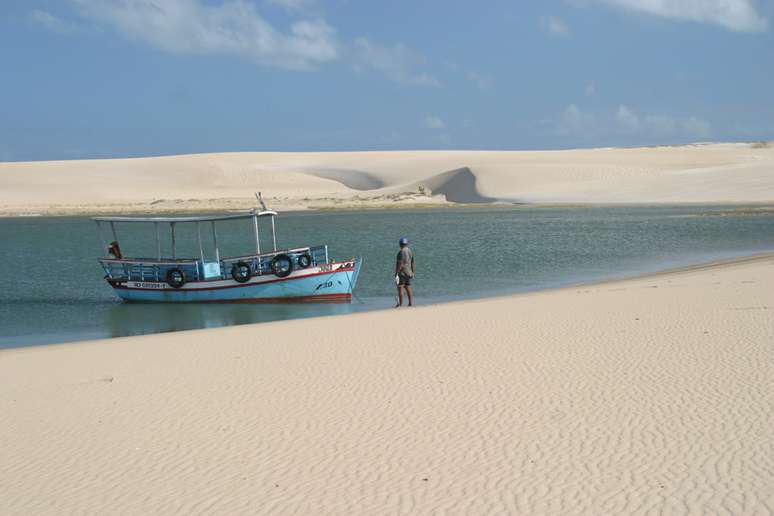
pixel 282 275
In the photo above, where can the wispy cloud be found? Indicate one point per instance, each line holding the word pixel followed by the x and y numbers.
pixel 657 124
pixel 397 62
pixel 482 81
pixel 232 28
pixel 555 27
pixel 236 28
pixel 736 15
pixel 51 22
pixel 577 122
pixel 574 120
pixel 433 122
pixel 294 5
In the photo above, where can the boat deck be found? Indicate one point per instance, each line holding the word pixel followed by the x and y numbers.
pixel 155 270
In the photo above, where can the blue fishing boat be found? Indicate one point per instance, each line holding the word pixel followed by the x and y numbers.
pixel 304 274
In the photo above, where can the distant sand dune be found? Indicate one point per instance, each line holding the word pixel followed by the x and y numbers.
pixel 456 186
pixel 354 179
pixel 708 173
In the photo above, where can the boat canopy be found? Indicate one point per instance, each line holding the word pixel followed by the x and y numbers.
pixel 173 221
pixel 170 220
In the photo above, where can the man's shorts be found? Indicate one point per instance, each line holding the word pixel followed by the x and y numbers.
pixel 404 280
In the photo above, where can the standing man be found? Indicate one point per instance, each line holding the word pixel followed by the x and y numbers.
pixel 404 271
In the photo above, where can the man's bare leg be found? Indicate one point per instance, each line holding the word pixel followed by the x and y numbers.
pixel 400 296
pixel 410 292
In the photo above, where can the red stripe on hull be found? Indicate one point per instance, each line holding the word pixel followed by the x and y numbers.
pixel 322 298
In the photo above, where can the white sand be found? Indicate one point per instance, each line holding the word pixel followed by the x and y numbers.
pixel 648 396
pixel 717 173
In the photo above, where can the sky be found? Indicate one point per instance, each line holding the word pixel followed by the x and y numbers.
pixel 120 78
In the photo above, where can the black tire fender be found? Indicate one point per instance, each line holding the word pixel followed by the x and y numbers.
pixel 304 261
pixel 241 272
pixel 281 265
pixel 175 278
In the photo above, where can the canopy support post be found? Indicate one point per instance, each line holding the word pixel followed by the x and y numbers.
pixel 257 236
pixel 273 233
pixel 113 230
pixel 199 236
pixel 215 242
pixel 174 244
pixel 158 241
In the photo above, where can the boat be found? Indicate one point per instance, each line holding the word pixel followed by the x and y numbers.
pixel 303 274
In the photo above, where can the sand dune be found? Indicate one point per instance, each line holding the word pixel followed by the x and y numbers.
pixel 456 186
pixel 716 173
pixel 353 179
pixel 648 396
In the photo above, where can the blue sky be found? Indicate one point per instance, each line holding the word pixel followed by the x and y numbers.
pixel 115 78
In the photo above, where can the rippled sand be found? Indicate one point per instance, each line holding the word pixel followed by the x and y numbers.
pixel 648 396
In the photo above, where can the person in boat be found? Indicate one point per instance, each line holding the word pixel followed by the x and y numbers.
pixel 405 269
pixel 113 250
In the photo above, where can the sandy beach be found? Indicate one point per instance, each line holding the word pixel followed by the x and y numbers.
pixel 647 396
pixel 734 173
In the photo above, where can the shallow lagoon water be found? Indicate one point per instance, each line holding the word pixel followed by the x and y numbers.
pixel 51 287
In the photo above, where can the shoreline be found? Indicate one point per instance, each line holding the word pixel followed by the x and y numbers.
pixel 612 281
pixel 644 395
pixel 762 207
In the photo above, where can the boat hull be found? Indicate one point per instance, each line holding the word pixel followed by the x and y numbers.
pixel 326 283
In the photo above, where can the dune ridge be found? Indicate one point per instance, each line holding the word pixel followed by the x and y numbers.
pixel 645 396
pixel 459 186
pixel 707 173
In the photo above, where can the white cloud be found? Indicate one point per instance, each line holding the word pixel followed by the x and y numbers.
pixel 638 127
pixel 452 66
pixel 232 28
pixel 697 126
pixel 482 81
pixel 398 62
pixel 294 5
pixel 434 122
pixel 555 27
pixel 51 22
pixel 661 125
pixel 235 28
pixel 444 139
pixel 574 120
pixel 737 15
pixel 627 119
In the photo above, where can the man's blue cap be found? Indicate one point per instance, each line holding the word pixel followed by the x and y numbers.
pixel 403 241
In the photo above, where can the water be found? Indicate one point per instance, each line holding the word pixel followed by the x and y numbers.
pixel 51 287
